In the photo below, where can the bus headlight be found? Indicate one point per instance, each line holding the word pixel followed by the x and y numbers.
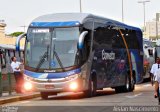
pixel 28 86
pixel 73 86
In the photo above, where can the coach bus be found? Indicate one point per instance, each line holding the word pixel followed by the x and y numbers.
pixel 79 52
pixel 8 51
pixel 149 57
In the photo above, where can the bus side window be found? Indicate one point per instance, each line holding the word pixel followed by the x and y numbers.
pixel 117 40
pixel 3 61
pixel 14 53
pixel 150 52
pixel 0 59
pixel 7 56
pixel 11 53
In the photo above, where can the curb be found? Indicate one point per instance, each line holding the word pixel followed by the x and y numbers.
pixel 18 98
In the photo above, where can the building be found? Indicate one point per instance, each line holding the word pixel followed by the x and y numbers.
pixel 153 28
pixel 4 39
pixel 2 29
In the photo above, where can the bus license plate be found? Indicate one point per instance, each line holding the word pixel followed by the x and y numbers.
pixel 49 86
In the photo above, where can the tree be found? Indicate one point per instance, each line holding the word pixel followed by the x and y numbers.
pixel 16 34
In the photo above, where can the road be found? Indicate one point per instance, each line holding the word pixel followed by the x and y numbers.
pixel 105 100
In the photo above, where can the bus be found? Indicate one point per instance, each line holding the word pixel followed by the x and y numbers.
pixel 8 51
pixel 149 57
pixel 157 49
pixel 80 52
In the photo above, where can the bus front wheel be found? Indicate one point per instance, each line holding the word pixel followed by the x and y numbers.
pixel 44 95
pixel 92 87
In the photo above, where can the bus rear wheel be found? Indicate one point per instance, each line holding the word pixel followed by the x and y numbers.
pixel 130 84
pixel 127 86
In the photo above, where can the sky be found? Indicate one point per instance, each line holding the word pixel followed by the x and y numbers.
pixel 17 13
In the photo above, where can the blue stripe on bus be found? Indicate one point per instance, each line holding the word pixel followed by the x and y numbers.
pixel 51 75
pixel 54 24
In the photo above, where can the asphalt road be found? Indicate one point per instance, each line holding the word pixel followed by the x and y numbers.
pixel 105 101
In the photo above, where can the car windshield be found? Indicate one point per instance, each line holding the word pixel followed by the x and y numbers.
pixel 51 48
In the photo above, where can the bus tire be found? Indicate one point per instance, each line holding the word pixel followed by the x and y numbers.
pixel 92 87
pixel 119 89
pixel 127 86
pixel 132 85
pixel 44 95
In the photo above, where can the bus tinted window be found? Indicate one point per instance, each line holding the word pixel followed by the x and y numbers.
pixel 102 35
pixel 7 56
pixel 117 40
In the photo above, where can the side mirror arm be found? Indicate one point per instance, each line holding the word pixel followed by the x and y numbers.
pixel 81 39
pixel 18 41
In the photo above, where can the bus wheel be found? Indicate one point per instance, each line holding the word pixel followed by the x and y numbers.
pixel 127 86
pixel 44 95
pixel 92 86
pixel 119 89
pixel 132 85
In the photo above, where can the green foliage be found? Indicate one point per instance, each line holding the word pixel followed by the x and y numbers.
pixel 15 34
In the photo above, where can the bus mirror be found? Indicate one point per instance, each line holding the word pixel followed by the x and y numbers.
pixel 150 51
pixel 81 39
pixel 145 46
pixel 18 41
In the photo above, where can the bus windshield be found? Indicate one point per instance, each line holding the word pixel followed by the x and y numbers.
pixel 51 48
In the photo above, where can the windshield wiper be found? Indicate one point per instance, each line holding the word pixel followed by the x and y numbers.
pixel 41 61
pixel 58 59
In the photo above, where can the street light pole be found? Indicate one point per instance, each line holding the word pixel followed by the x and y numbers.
pixel 122 12
pixel 80 6
pixel 144 13
pixel 24 28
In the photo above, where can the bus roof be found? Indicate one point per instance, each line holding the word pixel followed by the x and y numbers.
pixel 71 19
pixel 6 46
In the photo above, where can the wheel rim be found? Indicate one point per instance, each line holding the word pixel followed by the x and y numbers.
pixel 127 84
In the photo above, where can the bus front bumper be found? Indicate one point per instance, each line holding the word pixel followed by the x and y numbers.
pixel 75 84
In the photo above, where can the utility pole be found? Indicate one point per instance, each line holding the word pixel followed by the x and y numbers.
pixel 144 2
pixel 80 3
pixel 122 12
pixel 157 21
pixel 24 26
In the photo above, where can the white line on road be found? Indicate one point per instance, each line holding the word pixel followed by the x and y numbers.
pixel 25 102
pixel 134 96
pixel 147 85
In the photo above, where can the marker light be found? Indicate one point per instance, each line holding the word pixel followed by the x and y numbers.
pixel 73 86
pixel 27 86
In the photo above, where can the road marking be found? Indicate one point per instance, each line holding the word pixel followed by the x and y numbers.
pixel 147 85
pixel 134 96
pixel 25 102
